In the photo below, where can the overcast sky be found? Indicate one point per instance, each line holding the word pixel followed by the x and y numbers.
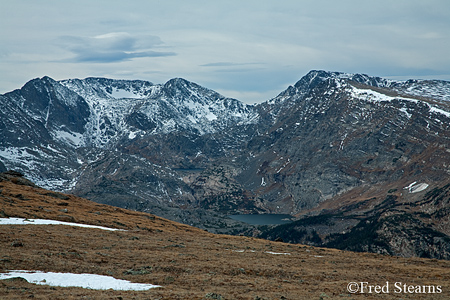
pixel 246 49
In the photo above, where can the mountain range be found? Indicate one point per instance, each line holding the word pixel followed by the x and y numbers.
pixel 362 162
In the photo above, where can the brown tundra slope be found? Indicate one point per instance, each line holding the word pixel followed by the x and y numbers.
pixel 188 263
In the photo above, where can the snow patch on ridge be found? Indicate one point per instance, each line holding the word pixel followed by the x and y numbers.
pixel 439 111
pixel 373 96
pixel 415 188
pixel 120 94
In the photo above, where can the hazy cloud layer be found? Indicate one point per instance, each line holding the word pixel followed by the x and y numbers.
pixel 249 49
pixel 111 47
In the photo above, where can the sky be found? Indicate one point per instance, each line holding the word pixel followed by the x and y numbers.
pixel 250 50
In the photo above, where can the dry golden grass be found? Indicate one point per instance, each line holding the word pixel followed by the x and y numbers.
pixel 187 262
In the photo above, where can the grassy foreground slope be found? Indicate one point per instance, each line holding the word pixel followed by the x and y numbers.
pixel 187 262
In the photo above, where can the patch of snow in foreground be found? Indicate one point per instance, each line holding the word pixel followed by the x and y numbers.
pixel 276 253
pixel 22 221
pixel 268 252
pixel 88 281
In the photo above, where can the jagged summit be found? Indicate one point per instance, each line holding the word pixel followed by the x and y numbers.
pixel 315 77
pixel 109 88
pixel 436 89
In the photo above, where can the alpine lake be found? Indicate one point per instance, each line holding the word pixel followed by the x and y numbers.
pixel 263 219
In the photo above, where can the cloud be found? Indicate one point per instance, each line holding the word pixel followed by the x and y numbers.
pixel 111 47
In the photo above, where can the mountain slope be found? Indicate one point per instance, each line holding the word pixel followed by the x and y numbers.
pixel 338 134
pixel 188 263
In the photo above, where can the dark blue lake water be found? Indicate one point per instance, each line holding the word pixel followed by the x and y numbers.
pixel 263 219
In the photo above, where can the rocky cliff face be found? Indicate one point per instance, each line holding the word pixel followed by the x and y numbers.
pixel 332 143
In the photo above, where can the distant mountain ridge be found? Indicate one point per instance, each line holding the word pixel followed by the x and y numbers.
pixel 189 154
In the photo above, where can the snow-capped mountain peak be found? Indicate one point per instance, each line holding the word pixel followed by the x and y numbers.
pixel 130 107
